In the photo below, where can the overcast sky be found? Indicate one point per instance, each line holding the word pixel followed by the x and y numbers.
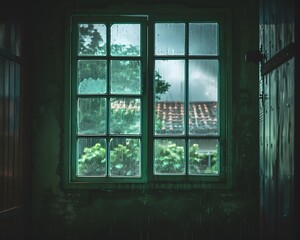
pixel 203 79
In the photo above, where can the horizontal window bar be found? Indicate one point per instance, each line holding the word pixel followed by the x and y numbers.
pixel 108 136
pixel 188 137
pixel 93 57
pixel 180 57
pixel 107 95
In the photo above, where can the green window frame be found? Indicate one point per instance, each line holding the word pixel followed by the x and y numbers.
pixel 127 82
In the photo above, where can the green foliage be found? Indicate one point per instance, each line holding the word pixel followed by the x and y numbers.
pixel 124 50
pixel 126 74
pixel 91 116
pixel 125 120
pixel 159 124
pixel 91 69
pixel 203 162
pixel 169 158
pixel 124 116
pixel 90 41
pixel 93 161
pixel 125 160
pixel 161 86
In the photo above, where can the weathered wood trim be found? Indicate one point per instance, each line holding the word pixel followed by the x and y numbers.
pixel 281 57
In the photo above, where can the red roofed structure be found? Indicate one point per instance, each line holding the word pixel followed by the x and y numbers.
pixel 203 118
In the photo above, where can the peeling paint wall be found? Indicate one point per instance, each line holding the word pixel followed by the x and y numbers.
pixel 137 214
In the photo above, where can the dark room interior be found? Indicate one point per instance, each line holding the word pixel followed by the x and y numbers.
pixel 149 120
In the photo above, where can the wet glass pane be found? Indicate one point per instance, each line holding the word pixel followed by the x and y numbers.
pixel 91 115
pixel 125 116
pixel 125 157
pixel 169 156
pixel 92 39
pixel 125 40
pixel 203 39
pixel 203 97
pixel 169 39
pixel 169 97
pixel 91 76
pixel 125 77
pixel 91 157
pixel 203 156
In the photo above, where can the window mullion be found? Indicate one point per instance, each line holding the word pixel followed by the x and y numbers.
pixel 108 139
pixel 144 98
pixel 186 98
pixel 150 104
pixel 74 101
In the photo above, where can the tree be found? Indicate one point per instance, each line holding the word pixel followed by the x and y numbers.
pixel 125 74
pixel 161 86
pixel 90 41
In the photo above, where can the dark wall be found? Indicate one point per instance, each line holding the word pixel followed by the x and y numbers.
pixel 140 214
pixel 14 125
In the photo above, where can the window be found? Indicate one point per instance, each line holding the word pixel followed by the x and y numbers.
pixel 147 99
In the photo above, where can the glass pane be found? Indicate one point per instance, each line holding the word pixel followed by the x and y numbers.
pixel 169 97
pixel 125 116
pixel 125 39
pixel 203 97
pixel 169 156
pixel 203 39
pixel 169 39
pixel 203 156
pixel 91 157
pixel 91 115
pixel 125 77
pixel 125 157
pixel 92 39
pixel 91 76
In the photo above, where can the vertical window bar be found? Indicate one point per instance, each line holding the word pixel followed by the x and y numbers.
pixel 150 129
pixel 74 41
pixel 218 99
pixel 108 139
pixel 186 105
pixel 219 138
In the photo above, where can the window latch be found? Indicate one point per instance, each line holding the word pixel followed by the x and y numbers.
pixel 254 56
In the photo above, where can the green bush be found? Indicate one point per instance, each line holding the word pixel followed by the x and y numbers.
pixel 203 162
pixel 169 158
pixel 125 160
pixel 93 161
